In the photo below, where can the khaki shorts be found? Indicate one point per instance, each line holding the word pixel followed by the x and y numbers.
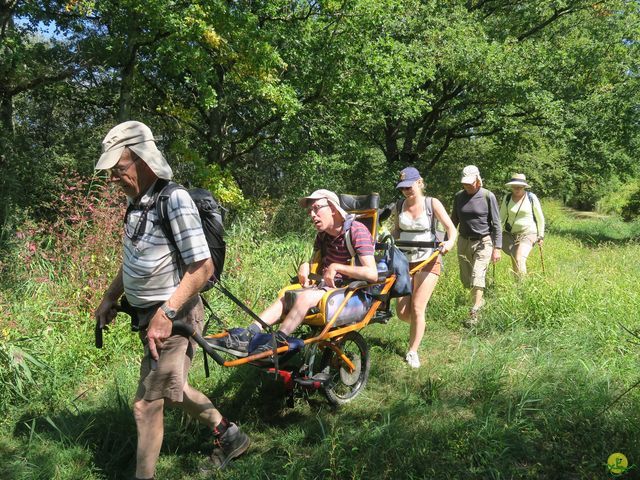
pixel 510 242
pixel 474 257
pixel 170 376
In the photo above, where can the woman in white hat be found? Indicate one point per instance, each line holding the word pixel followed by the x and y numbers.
pixel 523 223
pixel 476 213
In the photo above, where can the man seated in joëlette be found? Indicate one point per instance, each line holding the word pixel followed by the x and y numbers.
pixel 331 222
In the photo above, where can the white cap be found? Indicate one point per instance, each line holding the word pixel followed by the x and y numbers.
pixel 470 174
pixel 327 194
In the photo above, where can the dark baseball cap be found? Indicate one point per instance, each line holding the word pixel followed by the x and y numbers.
pixel 408 176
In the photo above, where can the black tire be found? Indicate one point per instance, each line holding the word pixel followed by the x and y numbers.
pixel 343 386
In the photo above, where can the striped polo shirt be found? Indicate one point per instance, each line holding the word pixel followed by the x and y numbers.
pixel 151 266
pixel 336 250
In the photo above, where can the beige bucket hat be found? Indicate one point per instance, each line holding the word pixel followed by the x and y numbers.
pixel 138 137
pixel 518 179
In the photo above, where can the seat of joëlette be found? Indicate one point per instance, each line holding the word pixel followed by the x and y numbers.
pixel 353 311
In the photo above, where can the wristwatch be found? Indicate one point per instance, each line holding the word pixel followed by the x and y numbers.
pixel 168 311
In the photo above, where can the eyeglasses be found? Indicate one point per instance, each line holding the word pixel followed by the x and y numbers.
pixel 406 188
pixel 118 170
pixel 315 208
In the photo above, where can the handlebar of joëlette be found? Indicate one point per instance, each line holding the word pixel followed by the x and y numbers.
pixel 99 340
pixel 179 328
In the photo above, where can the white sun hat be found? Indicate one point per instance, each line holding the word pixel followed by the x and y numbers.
pixel 518 179
pixel 326 194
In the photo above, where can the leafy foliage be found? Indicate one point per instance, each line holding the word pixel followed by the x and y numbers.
pixel 286 96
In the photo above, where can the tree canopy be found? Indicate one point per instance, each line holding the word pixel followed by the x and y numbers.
pixel 272 97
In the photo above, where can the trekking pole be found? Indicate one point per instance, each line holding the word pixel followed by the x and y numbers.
pixel 541 258
pixel 493 270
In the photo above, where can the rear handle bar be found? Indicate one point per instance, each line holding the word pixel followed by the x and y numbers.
pixel 179 328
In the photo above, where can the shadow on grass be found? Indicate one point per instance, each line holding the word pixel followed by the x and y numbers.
pixel 104 439
pixel 550 427
pixel 493 431
pixel 594 239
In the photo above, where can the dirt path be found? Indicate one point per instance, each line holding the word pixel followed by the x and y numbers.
pixel 580 214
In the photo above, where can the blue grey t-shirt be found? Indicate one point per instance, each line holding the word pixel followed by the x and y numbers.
pixel 475 218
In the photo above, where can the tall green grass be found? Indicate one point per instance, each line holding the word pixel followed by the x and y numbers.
pixel 526 395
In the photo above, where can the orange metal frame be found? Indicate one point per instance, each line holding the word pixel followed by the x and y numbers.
pixel 327 333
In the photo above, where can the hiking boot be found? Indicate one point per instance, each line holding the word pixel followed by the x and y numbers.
pixel 473 319
pixel 231 444
pixel 281 341
pixel 412 359
pixel 236 343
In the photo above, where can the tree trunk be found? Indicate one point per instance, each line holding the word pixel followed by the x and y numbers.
pixel 215 154
pixel 126 84
pixel 6 116
pixel 215 121
pixel 391 142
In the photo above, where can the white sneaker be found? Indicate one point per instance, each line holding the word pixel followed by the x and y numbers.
pixel 412 359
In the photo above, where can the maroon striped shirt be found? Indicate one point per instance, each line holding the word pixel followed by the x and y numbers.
pixel 336 250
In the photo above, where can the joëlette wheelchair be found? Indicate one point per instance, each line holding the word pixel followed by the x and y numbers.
pixel 330 355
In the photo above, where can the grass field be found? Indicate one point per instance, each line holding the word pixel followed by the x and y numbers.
pixel 527 395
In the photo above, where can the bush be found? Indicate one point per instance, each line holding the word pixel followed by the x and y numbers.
pixel 77 245
pixel 618 197
pixel 631 210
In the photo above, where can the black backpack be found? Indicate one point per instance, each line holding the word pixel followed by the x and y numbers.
pixel 212 218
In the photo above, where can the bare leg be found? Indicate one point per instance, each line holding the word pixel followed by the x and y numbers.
pixel 514 265
pixel 403 308
pixel 272 314
pixel 477 299
pixel 149 416
pixel 424 284
pixel 197 405
pixel 521 257
pixel 306 300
